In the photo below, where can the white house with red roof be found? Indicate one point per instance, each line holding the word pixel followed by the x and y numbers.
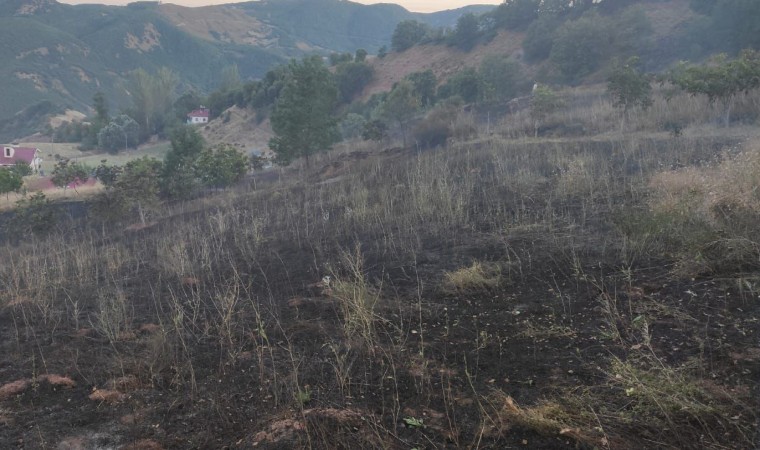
pixel 11 155
pixel 198 116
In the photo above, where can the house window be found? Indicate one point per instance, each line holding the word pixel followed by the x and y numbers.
pixel 8 152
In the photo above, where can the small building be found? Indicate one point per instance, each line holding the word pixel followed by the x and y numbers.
pixel 198 116
pixel 12 155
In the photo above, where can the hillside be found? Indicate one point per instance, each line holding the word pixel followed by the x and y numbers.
pixel 667 19
pixel 56 56
pixel 503 291
pixel 444 61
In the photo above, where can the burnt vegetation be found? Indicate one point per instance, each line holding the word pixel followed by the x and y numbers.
pixel 576 269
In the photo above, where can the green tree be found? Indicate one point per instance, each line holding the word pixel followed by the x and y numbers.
pixel 339 58
pixel 132 189
pixel 374 130
pixel 121 133
pixel 10 181
pixel 351 78
pixel 516 14
pixel 501 79
pixel 230 79
pixel 100 104
pixel 407 34
pixel 629 87
pixel 178 179
pixel 34 215
pixel 152 98
pixel 67 172
pixel 720 80
pixel 302 119
pixel 139 185
pixel 352 125
pixel 424 86
pixel 543 102
pixel 539 38
pixel 90 133
pixel 360 55
pixel 221 166
pixel 186 102
pixel 465 84
pixel 22 168
pixel 401 105
pixel 466 33
pixel 107 174
pixel 580 46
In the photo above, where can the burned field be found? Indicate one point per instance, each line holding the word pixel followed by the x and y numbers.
pixel 497 293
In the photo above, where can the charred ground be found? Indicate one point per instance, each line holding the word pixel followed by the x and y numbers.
pixel 503 291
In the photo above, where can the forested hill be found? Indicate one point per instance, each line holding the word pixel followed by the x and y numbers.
pixel 56 56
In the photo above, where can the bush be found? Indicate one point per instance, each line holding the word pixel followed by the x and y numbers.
pixel 431 133
pixel 34 215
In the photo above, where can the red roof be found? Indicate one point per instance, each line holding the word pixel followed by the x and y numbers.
pixel 25 154
pixel 203 112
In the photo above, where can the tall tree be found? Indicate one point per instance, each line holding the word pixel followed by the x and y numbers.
pixel 424 85
pixel 152 98
pixel 178 179
pixel 230 78
pixel 581 45
pixel 302 119
pixel 501 79
pixel 131 189
pixel 100 104
pixel 466 33
pixel 629 88
pixel 121 133
pixel 10 181
pixel 401 105
pixel 516 14
pixel 67 172
pixel 543 102
pixel 351 78
pixel 221 166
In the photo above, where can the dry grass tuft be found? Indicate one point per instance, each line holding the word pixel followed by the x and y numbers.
pixel 476 278
pixel 106 396
pixel 13 388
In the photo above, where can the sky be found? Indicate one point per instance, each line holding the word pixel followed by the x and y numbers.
pixel 411 5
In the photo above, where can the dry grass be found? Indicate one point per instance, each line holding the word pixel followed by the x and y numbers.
pixel 357 299
pixel 477 278
pixel 715 210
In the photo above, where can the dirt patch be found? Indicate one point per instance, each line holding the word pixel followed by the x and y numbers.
pixel 42 51
pixel 57 380
pixel 13 388
pixel 149 40
pixel 35 78
pixel 238 127
pixel 143 444
pixel 106 396
pixel 69 115
pixel 219 23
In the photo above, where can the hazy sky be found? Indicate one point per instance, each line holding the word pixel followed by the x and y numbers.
pixel 412 5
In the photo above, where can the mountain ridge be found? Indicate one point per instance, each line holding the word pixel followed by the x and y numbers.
pixel 58 55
